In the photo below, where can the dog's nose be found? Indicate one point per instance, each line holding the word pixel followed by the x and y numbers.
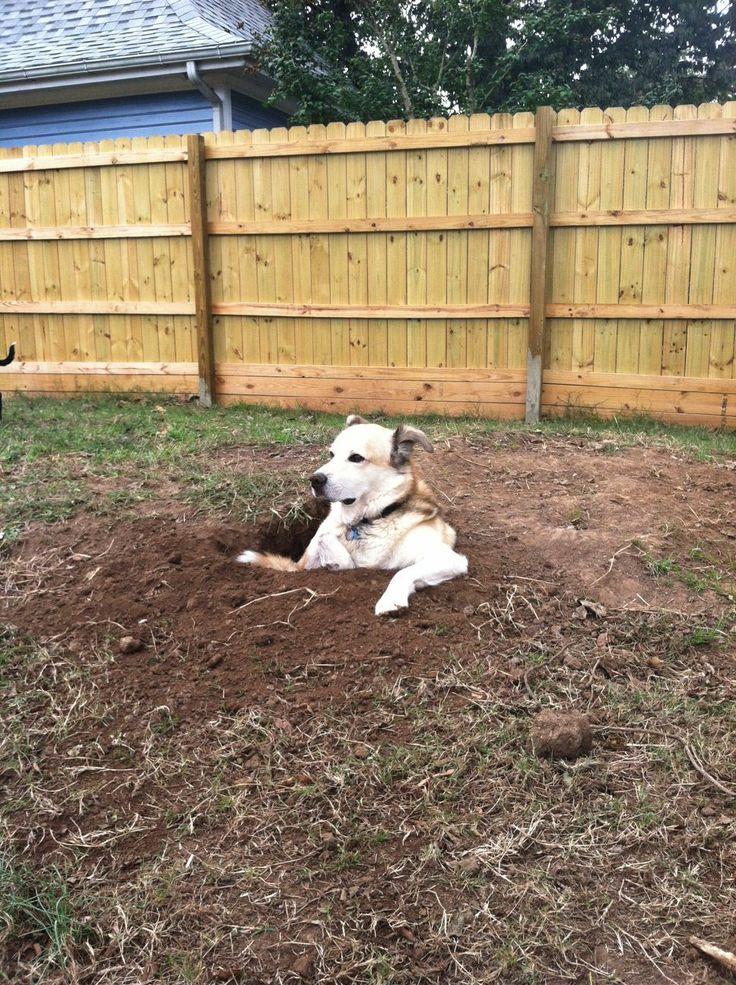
pixel 319 481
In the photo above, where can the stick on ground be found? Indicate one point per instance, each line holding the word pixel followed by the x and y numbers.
pixel 724 958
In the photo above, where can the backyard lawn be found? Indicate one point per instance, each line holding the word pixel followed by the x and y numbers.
pixel 215 774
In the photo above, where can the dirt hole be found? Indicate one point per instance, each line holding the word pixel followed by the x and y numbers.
pixel 291 537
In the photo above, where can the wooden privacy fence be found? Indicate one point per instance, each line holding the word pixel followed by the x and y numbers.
pixel 492 265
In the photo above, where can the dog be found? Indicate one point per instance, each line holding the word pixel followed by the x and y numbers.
pixel 382 515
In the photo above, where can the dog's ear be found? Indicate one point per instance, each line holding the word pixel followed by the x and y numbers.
pixel 355 419
pixel 402 444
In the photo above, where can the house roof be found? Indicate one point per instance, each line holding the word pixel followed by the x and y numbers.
pixel 66 37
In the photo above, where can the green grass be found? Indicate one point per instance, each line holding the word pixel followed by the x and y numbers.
pixel 249 496
pixel 149 431
pixel 52 452
pixel 38 906
pixel 698 571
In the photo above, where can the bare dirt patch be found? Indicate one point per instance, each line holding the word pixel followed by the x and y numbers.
pixel 301 790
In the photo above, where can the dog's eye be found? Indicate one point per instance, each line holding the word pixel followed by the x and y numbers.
pixel 356 458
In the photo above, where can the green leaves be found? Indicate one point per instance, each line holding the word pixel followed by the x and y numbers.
pixel 360 60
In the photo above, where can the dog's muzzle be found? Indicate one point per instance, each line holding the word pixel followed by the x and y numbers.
pixel 319 481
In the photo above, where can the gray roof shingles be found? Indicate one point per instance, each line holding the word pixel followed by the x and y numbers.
pixel 48 37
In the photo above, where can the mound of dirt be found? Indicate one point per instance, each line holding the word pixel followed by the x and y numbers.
pixel 218 634
pixel 561 735
pixel 191 629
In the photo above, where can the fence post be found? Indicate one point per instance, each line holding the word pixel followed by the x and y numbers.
pixel 200 266
pixel 542 196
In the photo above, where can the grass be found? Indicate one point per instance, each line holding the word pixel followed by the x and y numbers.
pixel 220 491
pixel 56 454
pixel 200 846
pixel 37 907
pixel 148 431
pixel 314 824
pixel 698 571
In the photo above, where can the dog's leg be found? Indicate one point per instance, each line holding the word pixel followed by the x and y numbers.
pixel 430 570
pixel 326 551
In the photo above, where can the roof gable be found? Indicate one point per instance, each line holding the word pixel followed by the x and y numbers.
pixel 50 36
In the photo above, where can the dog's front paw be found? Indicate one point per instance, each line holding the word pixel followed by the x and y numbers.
pixel 247 557
pixel 389 605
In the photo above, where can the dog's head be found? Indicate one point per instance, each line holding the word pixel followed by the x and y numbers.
pixel 368 462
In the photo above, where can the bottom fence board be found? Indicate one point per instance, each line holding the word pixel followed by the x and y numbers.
pixel 411 391
pixel 663 417
pixel 35 378
pixel 393 407
pixel 70 383
pixel 418 391
pixel 708 402
pixel 456 392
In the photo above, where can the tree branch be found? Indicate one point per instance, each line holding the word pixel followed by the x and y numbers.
pixel 469 75
pixel 395 66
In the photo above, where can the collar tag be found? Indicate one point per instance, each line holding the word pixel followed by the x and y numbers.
pixel 353 533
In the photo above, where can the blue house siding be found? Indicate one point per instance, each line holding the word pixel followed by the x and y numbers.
pixel 127 116
pixel 250 115
pixel 102 119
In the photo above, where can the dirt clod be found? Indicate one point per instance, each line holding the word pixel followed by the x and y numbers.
pixel 130 644
pixel 561 735
pixel 470 865
pixel 588 609
pixel 304 965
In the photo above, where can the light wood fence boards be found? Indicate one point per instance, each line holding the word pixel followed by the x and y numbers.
pixel 385 266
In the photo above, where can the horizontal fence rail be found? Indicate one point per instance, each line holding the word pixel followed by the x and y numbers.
pixel 380 224
pixel 401 142
pixel 509 266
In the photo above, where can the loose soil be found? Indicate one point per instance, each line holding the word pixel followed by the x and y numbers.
pixel 241 674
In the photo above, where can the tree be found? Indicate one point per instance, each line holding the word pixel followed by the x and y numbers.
pixel 378 59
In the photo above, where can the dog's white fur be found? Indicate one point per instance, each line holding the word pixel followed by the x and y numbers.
pixel 371 471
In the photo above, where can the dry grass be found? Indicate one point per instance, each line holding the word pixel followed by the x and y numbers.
pixel 410 836
pixel 402 832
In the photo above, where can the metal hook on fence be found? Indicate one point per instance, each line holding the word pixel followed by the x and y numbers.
pixel 6 362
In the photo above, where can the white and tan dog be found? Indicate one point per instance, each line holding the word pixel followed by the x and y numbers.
pixel 383 515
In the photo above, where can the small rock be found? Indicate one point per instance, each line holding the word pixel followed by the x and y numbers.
pixel 361 751
pixel 708 811
pixel 328 838
pixel 561 735
pixel 573 662
pixel 174 558
pixel 593 610
pixel 214 661
pixel 469 611
pixel 601 640
pixel 656 663
pixel 459 921
pixel 470 865
pixel 304 965
pixel 130 644
pixel 227 974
